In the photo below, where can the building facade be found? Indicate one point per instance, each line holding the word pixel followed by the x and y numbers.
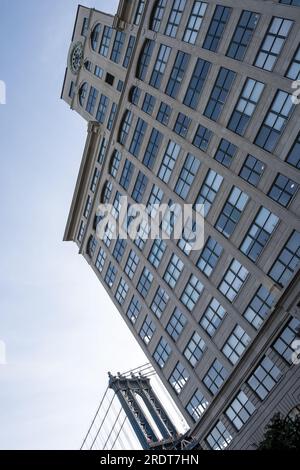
pixel 192 102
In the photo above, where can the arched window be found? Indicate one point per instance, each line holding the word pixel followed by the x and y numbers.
pixel 95 36
pixel 144 59
pixel 125 127
pixel 157 15
pixel 82 93
pixel 106 192
pixel 91 246
pixel 114 163
pixel 134 95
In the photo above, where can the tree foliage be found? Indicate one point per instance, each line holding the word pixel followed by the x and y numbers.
pixel 282 434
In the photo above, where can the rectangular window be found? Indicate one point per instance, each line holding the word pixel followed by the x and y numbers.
pixel 294 69
pixel 157 252
pixel 115 163
pixel 145 282
pixel 148 329
pixel 121 292
pixel 252 170
pixel 264 378
pixel 175 17
pixel 259 234
pixel 293 157
pixel 162 352
pixel 160 66
pixel 91 102
pixel 164 114
pixel 219 437
pixel 245 106
pixel 117 47
pixel 242 35
pixel 231 212
pixel 139 12
pixel 112 116
pixel 219 93
pixel 283 190
pixel 176 324
pixel 197 406
pixel 152 148
pixel 215 377
pixel 191 293
pixel 100 261
pixel 240 410
pixel 87 208
pixel 209 190
pixel 259 307
pixel 126 174
pixel 138 137
pixel 134 310
pixel 209 257
pixel 177 74
pixel 149 103
pixel 195 349
pixel 182 125
pixel 169 160
pixel 233 280
pixel 273 43
pixel 287 262
pixel 202 138
pixel 187 176
pixel 160 302
pixel 72 90
pixel 119 249
pixel 236 344
pixel 85 27
pixel 131 264
pixel 98 72
pixel 110 276
pixel 196 84
pixel 173 271
pixel 102 151
pixel 157 15
pixel 102 109
pixel 225 153
pixel 155 199
pixel 283 344
pixel 194 22
pixel 216 28
pixel 179 377
pixel 129 50
pixel 139 187
pixel 212 317
pixel 105 41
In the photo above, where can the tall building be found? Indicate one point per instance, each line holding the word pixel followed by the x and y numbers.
pixel 191 102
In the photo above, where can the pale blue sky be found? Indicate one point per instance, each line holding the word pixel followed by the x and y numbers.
pixel 61 331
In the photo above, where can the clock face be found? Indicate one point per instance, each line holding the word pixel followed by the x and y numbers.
pixel 76 57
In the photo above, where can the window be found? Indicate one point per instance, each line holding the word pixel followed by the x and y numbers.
pixel 240 410
pixel 169 160
pixel 117 47
pixel 91 102
pixel 191 293
pixel 106 192
pixel 196 84
pixel 212 317
pixel 294 69
pixel 233 280
pixel 88 206
pixel 242 35
pixel 176 324
pixel 157 15
pixel 129 50
pixel 139 12
pixel 100 261
pixel 197 406
pixel 187 176
pixel 121 291
pixel 170 217
pixel 98 71
pixel 144 59
pixel 290 2
pixel 259 234
pixel 283 344
pixel 134 310
pixel 245 106
pixel 231 212
pixel 209 257
pixel 82 93
pixel 155 199
pixel 264 378
pixel 219 437
pixel 287 262
pixel 115 163
pixel 105 41
pixel 225 153
pixel 259 307
pixel 157 252
pixel 177 74
pixel 72 90
pixel 162 352
pixel 209 190
pixel 149 103
pixel 182 125
pixel 131 264
pixel 194 349
pixel 134 95
pixel 126 174
pixel 145 282
pixel 252 170
pixel 273 43
pixel 88 65
pixel 215 377
pixel 283 190
pixel 152 148
pixel 175 17
pixel 95 36
pixel 160 66
pixel 164 114
pixel 102 109
pixel 173 271
pixel 85 27
pixel 139 187
pixel 110 275
pixel 275 121
pixel 125 127
pixel 120 85
pixel 219 93
pixel 81 232
pixel 112 116
pixel 147 330
pixel 119 249
pixel 216 28
pixel 194 23
pixel 293 157
pixel 138 137
pixel 160 302
pixel 236 344
pixel 108 235
pixel 179 378
pixel 202 138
